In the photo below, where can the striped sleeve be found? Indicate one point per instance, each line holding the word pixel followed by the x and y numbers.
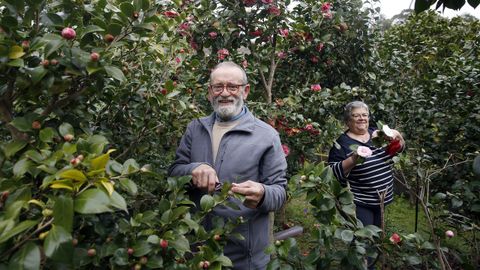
pixel 335 158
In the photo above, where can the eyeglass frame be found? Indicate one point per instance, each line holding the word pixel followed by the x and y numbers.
pixel 226 86
pixel 357 116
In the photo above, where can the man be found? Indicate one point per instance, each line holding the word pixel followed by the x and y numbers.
pixel 231 145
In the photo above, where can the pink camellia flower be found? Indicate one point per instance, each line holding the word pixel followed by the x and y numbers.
pixel 193 44
pixel 184 26
pixel 244 63
pixel 68 33
pixel 178 60
pixel 316 87
pixel 328 16
pixel 170 14
pixel 395 238
pixel 309 127
pixel 282 55
pixel 267 1
pixel 326 7
pixel 364 151
pixel 249 3
pixel 283 32
pixel 286 150
pixel 274 10
pixel 449 234
pixel 213 35
pixel 314 59
pixel 319 47
pixel 222 53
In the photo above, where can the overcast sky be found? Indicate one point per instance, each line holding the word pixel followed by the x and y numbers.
pixel 392 7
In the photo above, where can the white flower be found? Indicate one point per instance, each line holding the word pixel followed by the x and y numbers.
pixel 364 151
pixel 388 131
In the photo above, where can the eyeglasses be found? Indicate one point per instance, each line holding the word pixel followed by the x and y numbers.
pixel 358 115
pixel 231 88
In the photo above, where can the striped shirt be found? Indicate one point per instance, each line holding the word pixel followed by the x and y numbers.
pixel 367 180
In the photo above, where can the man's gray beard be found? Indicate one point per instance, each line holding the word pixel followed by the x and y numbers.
pixel 228 112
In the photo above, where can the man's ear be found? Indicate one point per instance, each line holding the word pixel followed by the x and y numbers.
pixel 246 91
pixel 209 95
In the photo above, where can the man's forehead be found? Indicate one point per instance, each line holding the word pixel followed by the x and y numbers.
pixel 224 72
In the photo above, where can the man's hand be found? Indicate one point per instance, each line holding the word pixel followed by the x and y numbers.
pixel 204 177
pixel 253 192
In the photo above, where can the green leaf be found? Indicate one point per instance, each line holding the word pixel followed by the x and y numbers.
pixel 206 202
pixel 27 258
pixel 16 63
pixel 91 29
pixel 22 124
pixel 130 166
pixel 117 201
pixel 141 248
pixel 414 260
pixel 19 228
pixel 115 72
pixel 129 186
pixel 347 236
pixel 52 46
pixel 13 147
pixel 181 244
pixel 127 9
pixel 422 5
pixel 66 128
pixel 47 134
pixel 73 174
pixel 476 165
pixel 120 257
pixel 92 201
pixel 21 167
pixel 473 3
pixel 16 52
pixel 58 244
pixel 63 212
pixel 34 155
pixel 37 74
pixel 100 162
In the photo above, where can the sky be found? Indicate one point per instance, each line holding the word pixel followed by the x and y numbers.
pixel 392 7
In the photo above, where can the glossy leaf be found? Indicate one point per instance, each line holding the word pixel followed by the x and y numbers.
pixel 13 147
pixel 92 201
pixel 16 52
pixel 115 73
pixel 26 258
pixel 58 244
pixel 63 212
pixel 19 228
pixel 73 174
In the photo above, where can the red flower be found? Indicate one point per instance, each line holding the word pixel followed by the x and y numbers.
pixel 395 238
pixel 249 3
pixel 314 59
pixel 283 32
pixel 316 87
pixel 286 150
pixel 244 63
pixel 256 33
pixel 282 55
pixel 326 7
pixel 274 10
pixel 319 47
pixel 328 15
pixel 171 14
pixel 213 35
pixel 393 147
pixel 309 127
pixel 267 1
pixel 222 53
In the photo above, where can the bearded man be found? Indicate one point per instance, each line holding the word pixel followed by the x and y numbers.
pixel 231 145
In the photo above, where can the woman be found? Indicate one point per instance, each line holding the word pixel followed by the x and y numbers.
pixel 371 179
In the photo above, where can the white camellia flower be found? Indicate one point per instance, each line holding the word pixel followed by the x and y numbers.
pixel 364 151
pixel 388 131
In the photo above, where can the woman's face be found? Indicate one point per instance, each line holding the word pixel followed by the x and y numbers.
pixel 358 123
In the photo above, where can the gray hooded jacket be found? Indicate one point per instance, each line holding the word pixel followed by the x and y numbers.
pixel 250 151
